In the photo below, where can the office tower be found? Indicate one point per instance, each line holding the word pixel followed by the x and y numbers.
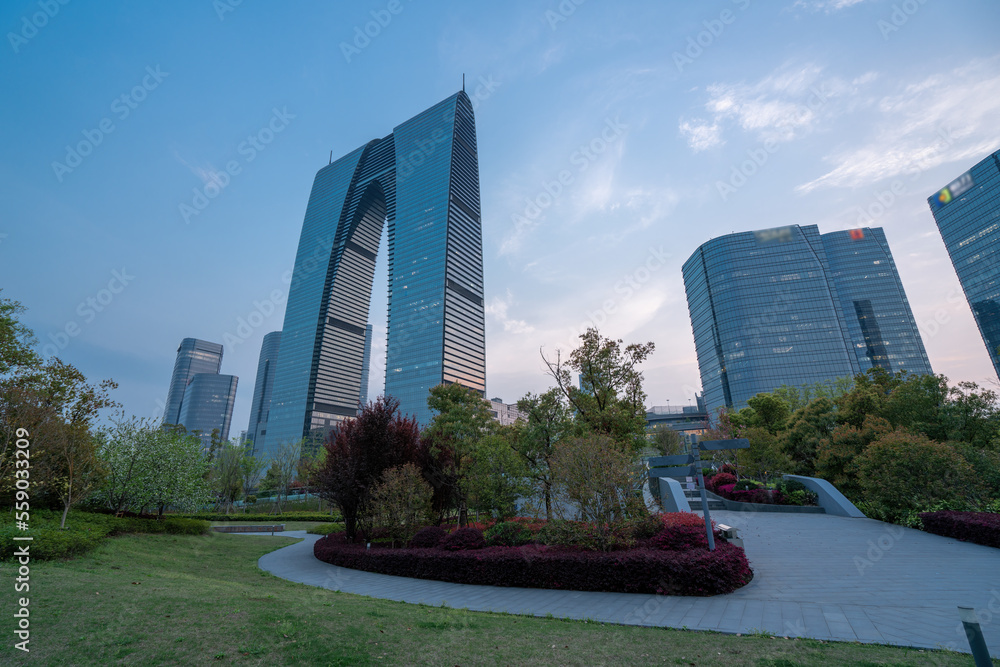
pixel 266 364
pixel 366 364
pixel 967 212
pixel 424 179
pixel 193 356
pixel 880 323
pixel 208 406
pixel 788 306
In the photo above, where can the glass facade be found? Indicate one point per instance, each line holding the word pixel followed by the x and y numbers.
pixel 788 306
pixel 208 405
pixel 264 384
pixel 424 179
pixel 967 212
pixel 193 356
pixel 366 365
pixel 880 323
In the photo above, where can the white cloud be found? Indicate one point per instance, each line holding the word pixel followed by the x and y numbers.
pixel 497 308
pixel 700 135
pixel 785 105
pixel 940 119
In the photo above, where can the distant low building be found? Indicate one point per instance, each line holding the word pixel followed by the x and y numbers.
pixel 505 413
pixel 688 420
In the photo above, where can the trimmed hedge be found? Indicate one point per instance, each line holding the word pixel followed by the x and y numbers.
pixel 428 537
pixel 694 572
pixel 84 531
pixel 463 539
pixel 270 518
pixel 979 527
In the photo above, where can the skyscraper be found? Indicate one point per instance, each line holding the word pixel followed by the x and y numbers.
pixel 266 365
pixel 193 356
pixel 208 406
pixel 788 306
pixel 967 212
pixel 366 365
pixel 424 179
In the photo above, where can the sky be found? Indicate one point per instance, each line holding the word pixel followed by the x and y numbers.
pixel 156 160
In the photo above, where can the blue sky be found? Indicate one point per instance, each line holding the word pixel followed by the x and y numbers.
pixel 667 122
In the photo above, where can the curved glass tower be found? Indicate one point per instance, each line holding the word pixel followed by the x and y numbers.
pixel 267 363
pixel 424 179
pixel 967 213
pixel 788 306
pixel 193 356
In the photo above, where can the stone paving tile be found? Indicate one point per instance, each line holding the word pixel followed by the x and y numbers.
pixel 815 576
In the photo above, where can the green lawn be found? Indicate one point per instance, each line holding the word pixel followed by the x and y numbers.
pixel 185 600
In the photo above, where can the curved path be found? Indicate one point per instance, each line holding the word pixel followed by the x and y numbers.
pixel 817 576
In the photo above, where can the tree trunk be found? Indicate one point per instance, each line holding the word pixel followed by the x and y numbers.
pixel 548 502
pixel 65 513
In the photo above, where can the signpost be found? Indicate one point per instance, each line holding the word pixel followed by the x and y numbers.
pixel 689 465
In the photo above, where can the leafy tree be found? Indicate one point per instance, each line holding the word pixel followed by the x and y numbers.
pixel 836 457
pixel 496 475
pixel 610 400
pixel 548 422
pixel 285 462
pixel 808 428
pixel 599 481
pixel 17 341
pixel 359 451
pixel 904 472
pixel 665 440
pixel 227 475
pixel 70 467
pixel 972 415
pixel 764 459
pixel 400 503
pixel 252 470
pixel 462 419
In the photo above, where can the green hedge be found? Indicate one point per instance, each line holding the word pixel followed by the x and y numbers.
pixel 84 531
pixel 270 518
pixel 326 529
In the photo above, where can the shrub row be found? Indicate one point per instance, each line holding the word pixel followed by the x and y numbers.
pixel 270 518
pixel 84 531
pixel 693 572
pixel 979 527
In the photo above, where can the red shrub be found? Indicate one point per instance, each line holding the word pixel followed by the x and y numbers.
pixel 463 539
pixel 427 538
pixel 683 519
pixel 979 527
pixel 695 572
pixel 718 480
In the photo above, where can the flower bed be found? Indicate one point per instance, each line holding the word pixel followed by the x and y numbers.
pixel 979 527
pixel 675 562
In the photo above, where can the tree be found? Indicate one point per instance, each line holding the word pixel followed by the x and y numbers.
pixel 610 400
pixel 227 475
pixel 71 466
pixel 359 451
pixel 496 476
pixel 285 462
pixel 808 427
pixel 400 503
pixel 549 422
pixel 462 419
pixel 665 440
pixel 598 480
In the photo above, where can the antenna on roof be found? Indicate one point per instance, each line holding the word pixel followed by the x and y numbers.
pixel 331 157
pixel 463 82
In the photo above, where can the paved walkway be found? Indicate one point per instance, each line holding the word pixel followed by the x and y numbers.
pixel 815 575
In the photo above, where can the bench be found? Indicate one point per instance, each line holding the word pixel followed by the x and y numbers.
pixel 276 528
pixel 730 534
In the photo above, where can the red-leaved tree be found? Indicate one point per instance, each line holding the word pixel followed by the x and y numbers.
pixel 359 451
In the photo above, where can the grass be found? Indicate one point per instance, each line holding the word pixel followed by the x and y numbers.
pixel 200 600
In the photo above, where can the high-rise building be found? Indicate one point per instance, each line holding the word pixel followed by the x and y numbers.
pixel 967 212
pixel 208 406
pixel 505 413
pixel 193 356
pixel 424 179
pixel 366 365
pixel 788 306
pixel 266 364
